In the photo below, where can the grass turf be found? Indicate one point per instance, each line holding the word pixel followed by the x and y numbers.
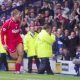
pixel 12 76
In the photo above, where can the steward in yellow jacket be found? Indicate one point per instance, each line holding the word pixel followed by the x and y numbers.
pixel 2 50
pixel 29 47
pixel 29 44
pixel 3 54
pixel 44 49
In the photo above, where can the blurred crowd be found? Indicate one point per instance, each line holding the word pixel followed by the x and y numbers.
pixel 7 4
pixel 62 15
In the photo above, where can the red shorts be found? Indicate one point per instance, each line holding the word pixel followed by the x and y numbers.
pixel 12 45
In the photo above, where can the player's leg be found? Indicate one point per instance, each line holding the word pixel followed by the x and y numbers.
pixel 20 56
pixel 20 52
pixel 17 65
pixel 12 50
pixel 14 55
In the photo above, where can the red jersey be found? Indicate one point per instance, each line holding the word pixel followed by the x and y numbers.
pixel 11 30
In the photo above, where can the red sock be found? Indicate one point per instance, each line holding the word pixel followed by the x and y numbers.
pixel 17 66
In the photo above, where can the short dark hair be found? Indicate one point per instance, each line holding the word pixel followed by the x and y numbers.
pixel 46 26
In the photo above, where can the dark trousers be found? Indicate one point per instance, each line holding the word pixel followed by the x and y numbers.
pixel 4 60
pixel 77 69
pixel 30 63
pixel 45 66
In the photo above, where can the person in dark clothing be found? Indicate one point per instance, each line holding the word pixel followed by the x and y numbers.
pixel 65 54
pixel 23 27
pixel 46 7
pixel 3 60
pixel 71 42
pixel 76 61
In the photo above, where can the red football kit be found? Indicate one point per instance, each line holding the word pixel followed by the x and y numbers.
pixel 11 29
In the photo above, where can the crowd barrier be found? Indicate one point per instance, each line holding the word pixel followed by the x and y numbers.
pixel 60 67
pixel 66 67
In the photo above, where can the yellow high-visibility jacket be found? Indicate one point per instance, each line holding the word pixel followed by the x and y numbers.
pixel 44 44
pixel 29 44
pixel 2 50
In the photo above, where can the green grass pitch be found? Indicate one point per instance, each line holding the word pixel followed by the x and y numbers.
pixel 12 76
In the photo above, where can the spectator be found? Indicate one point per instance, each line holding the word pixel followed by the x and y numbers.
pixel 76 61
pixel 66 33
pixel 71 42
pixel 58 42
pixel 3 8
pixel 13 5
pixel 19 3
pixel 65 54
pixel 58 17
pixel 66 7
pixel 31 15
pixel 54 30
pixel 46 7
pixel 24 27
pixel 76 5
